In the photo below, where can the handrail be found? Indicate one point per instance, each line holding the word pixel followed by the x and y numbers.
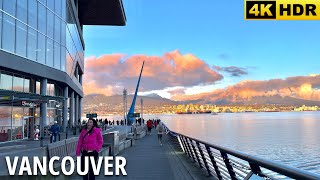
pixel 189 143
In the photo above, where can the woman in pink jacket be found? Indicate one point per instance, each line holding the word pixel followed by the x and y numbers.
pixel 89 144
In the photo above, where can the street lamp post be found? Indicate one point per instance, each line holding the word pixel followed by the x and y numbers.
pixel 125 109
pixel 141 110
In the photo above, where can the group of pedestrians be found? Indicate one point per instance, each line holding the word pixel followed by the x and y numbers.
pixel 90 142
pixel 158 125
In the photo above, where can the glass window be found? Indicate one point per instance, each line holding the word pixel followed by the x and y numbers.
pixel 37 87
pixel 50 4
pixel 57 56
pixel 49 56
pixel 32 44
pixel 63 33
pixel 43 2
pixel 6 82
pixel 42 15
pixel 22 13
pixel 10 6
pixel 17 84
pixel 50 89
pixel 63 9
pixel 8 36
pixel 69 64
pixel 50 19
pixel 21 39
pixel 41 55
pixel 57 7
pixel 26 86
pixel 5 123
pixel 32 13
pixel 63 58
pixel 0 26
pixel 57 29
pixel 17 129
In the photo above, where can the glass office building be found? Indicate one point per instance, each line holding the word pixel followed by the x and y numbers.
pixel 42 61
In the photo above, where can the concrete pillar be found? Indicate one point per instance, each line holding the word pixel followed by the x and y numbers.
pixel 43 109
pixel 76 110
pixel 65 109
pixel 71 123
pixel 80 109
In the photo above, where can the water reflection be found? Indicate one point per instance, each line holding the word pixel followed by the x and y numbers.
pixel 291 137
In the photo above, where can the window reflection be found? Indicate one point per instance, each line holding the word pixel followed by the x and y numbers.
pixel 22 13
pixel 38 87
pixel 5 123
pixel 17 84
pixel 0 26
pixel 50 19
pixel 9 6
pixel 21 39
pixel 26 86
pixel 32 44
pixel 42 18
pixel 57 56
pixel 6 82
pixel 8 37
pixel 49 57
pixel 41 51
pixel 32 13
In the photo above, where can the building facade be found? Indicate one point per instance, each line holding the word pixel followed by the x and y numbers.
pixel 42 61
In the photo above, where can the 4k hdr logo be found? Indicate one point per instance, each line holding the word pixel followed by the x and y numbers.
pixel 282 10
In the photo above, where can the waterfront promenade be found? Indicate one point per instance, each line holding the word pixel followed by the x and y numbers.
pixel 146 159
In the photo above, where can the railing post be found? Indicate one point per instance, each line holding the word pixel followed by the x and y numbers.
pixel 214 162
pixel 228 165
pixel 195 153
pixel 203 158
pixel 255 168
pixel 184 146
pixel 187 146
pixel 191 150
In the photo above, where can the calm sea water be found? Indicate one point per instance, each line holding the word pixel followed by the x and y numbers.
pixel 291 138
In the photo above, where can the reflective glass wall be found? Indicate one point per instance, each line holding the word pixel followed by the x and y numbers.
pixel 44 31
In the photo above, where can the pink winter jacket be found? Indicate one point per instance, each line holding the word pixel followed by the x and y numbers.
pixel 91 142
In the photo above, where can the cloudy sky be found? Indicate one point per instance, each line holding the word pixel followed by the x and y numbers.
pixel 195 50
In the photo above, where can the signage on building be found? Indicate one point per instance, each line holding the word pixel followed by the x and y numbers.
pixel 92 115
pixel 29 104
pixel 134 115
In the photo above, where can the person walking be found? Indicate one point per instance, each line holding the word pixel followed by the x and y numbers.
pixel 89 144
pixel 149 126
pixel 160 131
pixel 54 130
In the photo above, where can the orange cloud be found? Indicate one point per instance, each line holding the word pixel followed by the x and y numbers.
pixel 304 87
pixel 170 70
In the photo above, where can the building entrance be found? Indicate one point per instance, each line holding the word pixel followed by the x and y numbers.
pixel 27 126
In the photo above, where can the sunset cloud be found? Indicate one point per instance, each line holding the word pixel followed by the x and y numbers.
pixel 109 74
pixel 233 70
pixel 304 87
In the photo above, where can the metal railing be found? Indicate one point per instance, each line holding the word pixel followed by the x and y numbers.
pixel 224 163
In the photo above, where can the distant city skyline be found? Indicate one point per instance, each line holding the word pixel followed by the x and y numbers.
pixel 191 48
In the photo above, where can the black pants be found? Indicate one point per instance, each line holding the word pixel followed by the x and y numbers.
pixel 90 175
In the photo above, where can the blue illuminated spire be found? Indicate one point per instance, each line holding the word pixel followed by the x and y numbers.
pixel 131 110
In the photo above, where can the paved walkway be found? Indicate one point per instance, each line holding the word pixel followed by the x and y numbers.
pixel 148 160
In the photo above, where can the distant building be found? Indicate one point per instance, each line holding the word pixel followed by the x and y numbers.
pixel 42 60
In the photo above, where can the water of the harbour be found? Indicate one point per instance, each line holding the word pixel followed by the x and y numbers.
pixel 291 138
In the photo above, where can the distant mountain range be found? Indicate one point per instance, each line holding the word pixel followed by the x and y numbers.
pixel 262 100
pixel 149 100
pixel 154 102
